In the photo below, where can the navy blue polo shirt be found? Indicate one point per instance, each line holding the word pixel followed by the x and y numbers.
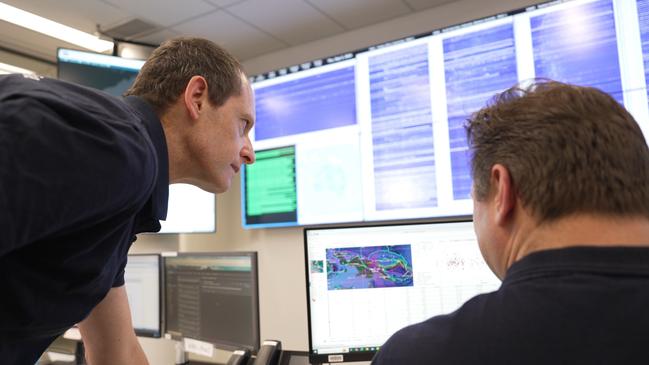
pixel 81 172
pixel 580 305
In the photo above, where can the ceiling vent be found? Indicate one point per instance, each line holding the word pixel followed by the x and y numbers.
pixel 129 29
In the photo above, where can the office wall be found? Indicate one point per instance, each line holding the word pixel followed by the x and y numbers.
pixel 39 67
pixel 281 268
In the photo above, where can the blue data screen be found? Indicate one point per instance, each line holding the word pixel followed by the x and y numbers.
pixel 379 133
pixel 313 103
pixel 402 130
pixel 477 66
pixel 578 45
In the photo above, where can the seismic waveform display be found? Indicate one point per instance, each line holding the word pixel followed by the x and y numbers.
pixel 369 267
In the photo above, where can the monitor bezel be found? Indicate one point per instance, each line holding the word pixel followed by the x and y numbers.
pixel 255 275
pixel 146 333
pixel 360 355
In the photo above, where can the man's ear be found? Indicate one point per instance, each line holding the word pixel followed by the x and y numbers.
pixel 195 96
pixel 504 196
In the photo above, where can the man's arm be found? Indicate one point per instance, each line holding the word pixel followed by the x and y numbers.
pixel 108 334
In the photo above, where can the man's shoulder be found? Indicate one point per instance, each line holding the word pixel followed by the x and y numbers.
pixel 59 95
pixel 94 159
pixel 439 339
pixel 29 84
pixel 422 343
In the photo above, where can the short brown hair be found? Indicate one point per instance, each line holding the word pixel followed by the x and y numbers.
pixel 568 149
pixel 167 71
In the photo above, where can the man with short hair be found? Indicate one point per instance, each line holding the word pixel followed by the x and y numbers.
pixel 561 213
pixel 82 172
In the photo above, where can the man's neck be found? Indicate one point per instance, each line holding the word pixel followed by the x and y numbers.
pixel 178 160
pixel 580 230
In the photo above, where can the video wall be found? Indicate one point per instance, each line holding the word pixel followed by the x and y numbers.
pixel 377 134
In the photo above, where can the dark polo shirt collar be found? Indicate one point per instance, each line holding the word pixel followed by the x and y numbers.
pixel 156 208
pixel 612 260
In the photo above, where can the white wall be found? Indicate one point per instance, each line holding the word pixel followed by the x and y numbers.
pixel 281 256
pixel 39 67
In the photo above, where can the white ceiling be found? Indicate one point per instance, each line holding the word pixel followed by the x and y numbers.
pixel 247 28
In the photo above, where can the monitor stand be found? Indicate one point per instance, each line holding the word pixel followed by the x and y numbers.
pixel 181 357
pixel 180 354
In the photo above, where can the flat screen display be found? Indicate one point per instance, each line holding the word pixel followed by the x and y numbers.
pixel 377 134
pixel 143 288
pixel 366 282
pixel 213 297
pixel 191 210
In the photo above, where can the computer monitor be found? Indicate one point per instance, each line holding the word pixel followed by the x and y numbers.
pixel 366 282
pixel 110 74
pixel 213 297
pixel 143 287
pixel 191 210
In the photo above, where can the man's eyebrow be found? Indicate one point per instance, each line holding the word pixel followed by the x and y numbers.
pixel 248 118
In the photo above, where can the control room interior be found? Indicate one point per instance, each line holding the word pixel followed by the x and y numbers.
pixel 265 36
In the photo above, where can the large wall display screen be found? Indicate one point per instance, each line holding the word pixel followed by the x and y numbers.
pixel 378 134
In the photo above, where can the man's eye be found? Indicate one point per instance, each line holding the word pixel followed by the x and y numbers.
pixel 242 126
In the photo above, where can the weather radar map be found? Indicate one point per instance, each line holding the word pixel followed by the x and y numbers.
pixel 369 267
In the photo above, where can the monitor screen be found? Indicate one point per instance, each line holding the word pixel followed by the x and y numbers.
pixel 213 297
pixel 143 287
pixel 365 283
pixel 191 210
pixel 111 74
pixel 377 134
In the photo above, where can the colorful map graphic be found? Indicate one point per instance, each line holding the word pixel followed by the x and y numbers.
pixel 369 267
pixel 317 266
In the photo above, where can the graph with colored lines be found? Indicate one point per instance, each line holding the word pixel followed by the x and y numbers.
pixel 369 267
